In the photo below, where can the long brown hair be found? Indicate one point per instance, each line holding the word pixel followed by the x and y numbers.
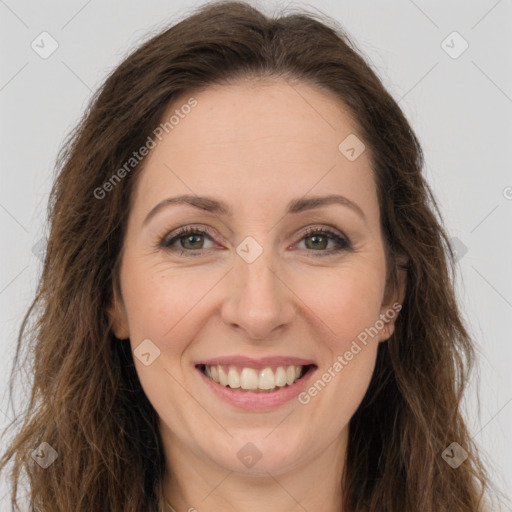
pixel 86 401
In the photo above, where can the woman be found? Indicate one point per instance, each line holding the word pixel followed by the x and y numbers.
pixel 247 300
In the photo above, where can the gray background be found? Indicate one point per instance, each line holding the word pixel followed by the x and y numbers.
pixel 459 105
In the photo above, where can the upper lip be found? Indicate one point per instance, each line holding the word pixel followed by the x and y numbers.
pixel 264 362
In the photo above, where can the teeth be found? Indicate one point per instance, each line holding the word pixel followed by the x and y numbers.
pixel 251 379
pixel 223 378
pixel 280 377
pixel 290 375
pixel 267 379
pixel 233 378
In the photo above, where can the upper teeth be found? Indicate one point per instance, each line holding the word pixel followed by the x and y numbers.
pixel 249 378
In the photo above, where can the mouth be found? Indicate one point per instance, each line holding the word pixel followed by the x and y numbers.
pixel 268 379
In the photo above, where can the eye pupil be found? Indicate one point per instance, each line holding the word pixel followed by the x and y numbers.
pixel 318 237
pixel 191 237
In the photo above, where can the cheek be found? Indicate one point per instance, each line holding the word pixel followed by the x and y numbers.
pixel 350 311
pixel 158 301
pixel 345 300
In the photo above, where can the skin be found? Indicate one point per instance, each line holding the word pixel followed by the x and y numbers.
pixel 254 145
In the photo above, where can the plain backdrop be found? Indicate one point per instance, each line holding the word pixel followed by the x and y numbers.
pixel 447 63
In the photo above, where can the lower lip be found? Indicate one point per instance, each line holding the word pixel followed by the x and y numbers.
pixel 259 401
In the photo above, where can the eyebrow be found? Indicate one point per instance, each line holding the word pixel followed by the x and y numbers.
pixel 215 206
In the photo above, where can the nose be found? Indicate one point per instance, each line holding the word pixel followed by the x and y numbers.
pixel 258 300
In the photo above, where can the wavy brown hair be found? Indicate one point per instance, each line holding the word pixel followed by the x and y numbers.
pixel 86 400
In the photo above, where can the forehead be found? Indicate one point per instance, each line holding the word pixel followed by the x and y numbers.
pixel 263 112
pixel 257 143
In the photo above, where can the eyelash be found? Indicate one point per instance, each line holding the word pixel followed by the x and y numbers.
pixel 166 242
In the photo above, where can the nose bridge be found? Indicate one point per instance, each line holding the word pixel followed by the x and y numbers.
pixel 258 300
pixel 256 275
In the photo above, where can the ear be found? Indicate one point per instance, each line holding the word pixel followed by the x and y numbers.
pixel 393 300
pixel 118 318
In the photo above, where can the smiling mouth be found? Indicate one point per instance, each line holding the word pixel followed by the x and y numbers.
pixel 264 380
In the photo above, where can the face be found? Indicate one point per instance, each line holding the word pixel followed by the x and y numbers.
pixel 270 287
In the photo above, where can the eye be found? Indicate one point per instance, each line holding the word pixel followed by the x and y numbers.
pixel 191 244
pixel 320 239
pixel 189 238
